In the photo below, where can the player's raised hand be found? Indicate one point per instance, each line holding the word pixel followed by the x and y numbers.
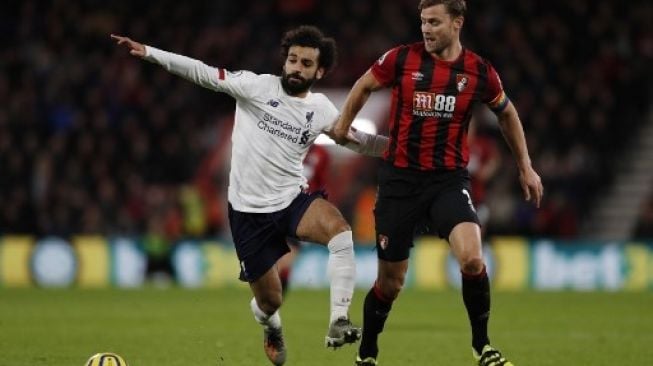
pixel 135 48
pixel 532 185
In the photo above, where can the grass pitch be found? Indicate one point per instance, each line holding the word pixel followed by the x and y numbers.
pixel 178 327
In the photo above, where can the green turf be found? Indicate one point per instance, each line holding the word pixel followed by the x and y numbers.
pixel 176 327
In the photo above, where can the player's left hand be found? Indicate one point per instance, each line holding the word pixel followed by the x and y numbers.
pixel 531 185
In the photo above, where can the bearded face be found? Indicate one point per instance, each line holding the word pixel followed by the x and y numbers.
pixel 295 83
pixel 301 70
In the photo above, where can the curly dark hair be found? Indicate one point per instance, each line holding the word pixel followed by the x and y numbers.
pixel 455 8
pixel 310 36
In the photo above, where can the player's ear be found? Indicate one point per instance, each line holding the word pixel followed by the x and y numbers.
pixel 319 73
pixel 458 21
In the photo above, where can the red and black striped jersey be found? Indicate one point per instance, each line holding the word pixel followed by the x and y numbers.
pixel 432 103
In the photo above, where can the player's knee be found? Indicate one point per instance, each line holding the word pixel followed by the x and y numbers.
pixel 339 231
pixel 472 265
pixel 338 227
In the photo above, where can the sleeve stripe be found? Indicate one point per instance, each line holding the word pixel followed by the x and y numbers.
pixel 221 74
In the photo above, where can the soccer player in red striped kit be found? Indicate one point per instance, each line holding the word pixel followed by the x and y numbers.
pixel 435 85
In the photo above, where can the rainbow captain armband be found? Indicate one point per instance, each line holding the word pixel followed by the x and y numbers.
pixel 499 103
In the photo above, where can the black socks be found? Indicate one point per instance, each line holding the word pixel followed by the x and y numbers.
pixel 476 296
pixel 375 313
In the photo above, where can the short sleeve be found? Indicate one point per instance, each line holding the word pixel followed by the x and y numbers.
pixel 495 97
pixel 384 68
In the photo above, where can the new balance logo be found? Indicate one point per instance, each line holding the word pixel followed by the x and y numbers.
pixel 273 102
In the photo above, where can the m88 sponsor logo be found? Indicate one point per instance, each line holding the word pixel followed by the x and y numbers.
pixel 427 104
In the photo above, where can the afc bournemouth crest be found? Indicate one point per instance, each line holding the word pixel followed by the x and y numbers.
pixel 461 81
pixel 383 241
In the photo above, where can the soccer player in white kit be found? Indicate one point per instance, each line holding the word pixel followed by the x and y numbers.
pixel 277 120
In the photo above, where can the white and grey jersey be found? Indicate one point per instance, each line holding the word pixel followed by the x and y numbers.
pixel 272 132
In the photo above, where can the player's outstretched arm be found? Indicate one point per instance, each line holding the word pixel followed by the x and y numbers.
pixel 135 48
pixel 355 101
pixel 186 67
pixel 513 132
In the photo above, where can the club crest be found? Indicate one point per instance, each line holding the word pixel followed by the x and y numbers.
pixel 383 241
pixel 309 118
pixel 461 82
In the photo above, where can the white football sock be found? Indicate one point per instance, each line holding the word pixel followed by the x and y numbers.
pixel 341 271
pixel 273 321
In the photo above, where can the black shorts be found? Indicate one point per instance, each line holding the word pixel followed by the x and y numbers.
pixel 260 238
pixel 411 202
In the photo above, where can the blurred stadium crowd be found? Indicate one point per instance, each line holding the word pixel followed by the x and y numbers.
pixel 94 141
